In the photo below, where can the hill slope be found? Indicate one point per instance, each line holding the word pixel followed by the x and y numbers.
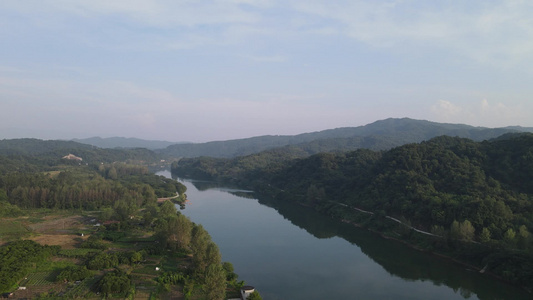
pixel 380 135
pixel 122 142
pixel 474 199
pixel 34 154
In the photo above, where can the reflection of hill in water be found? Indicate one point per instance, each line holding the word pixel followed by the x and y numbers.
pixel 397 258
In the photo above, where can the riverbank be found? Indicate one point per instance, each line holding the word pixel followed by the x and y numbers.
pixel 91 251
pixel 426 241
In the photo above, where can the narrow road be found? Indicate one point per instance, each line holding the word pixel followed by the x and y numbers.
pixel 388 217
pixel 159 200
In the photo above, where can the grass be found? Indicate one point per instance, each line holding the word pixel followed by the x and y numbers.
pixel 81 289
pixel 12 230
pixel 40 278
pixel 147 270
pixel 52 266
pixel 11 227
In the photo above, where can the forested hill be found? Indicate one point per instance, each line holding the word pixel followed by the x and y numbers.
pixel 121 142
pixel 380 135
pixel 29 155
pixel 432 183
pixel 455 188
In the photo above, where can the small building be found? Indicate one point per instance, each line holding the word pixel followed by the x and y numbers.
pixel 72 157
pixel 246 291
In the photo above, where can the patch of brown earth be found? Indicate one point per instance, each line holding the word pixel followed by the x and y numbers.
pixel 61 225
pixel 66 241
pixel 34 291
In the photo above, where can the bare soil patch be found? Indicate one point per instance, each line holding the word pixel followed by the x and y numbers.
pixel 59 225
pixel 66 241
pixel 33 291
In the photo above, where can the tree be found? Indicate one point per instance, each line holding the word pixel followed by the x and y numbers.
pixel 3 195
pixel 73 273
pixel 179 231
pixel 167 209
pixel 124 208
pixel 254 296
pixel 467 230
pixel 149 214
pixel 112 173
pixel 228 268
pixel 509 236
pixel 199 241
pixel 115 282
pixel 484 237
pixel 106 213
pixel 136 257
pixel 215 282
pixel 523 237
pixel 212 256
pixel 455 231
pixel 462 231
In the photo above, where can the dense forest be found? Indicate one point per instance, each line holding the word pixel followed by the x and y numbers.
pixel 33 155
pixel 453 188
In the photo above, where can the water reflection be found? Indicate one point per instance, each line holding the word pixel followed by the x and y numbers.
pixel 398 259
pixel 334 260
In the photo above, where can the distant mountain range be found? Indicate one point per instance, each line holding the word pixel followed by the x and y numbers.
pixel 380 135
pixel 121 142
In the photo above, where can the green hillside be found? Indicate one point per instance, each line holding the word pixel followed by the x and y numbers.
pixel 380 135
pixel 29 155
pixel 474 198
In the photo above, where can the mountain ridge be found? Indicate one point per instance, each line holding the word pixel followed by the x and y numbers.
pixel 123 142
pixel 386 133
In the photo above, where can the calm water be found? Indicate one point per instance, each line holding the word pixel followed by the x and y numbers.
pixel 290 252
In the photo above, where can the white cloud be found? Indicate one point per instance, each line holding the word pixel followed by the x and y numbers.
pixel 481 113
pixel 446 111
pixel 498 33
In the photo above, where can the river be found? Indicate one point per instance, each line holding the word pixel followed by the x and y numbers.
pixel 291 252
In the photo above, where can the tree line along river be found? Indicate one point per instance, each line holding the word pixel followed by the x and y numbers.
pixel 291 252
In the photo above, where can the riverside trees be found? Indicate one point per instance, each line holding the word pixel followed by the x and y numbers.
pixel 124 194
pixel 456 188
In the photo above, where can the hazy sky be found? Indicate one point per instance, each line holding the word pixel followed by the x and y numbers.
pixel 217 70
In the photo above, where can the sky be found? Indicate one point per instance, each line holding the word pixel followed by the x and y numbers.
pixel 218 70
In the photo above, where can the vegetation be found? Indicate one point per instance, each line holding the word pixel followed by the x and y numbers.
pixel 380 135
pixel 17 258
pixel 255 296
pixel 475 198
pixel 74 273
pixel 120 235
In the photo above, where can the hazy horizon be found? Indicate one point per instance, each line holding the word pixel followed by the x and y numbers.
pixel 219 70
pixel 14 133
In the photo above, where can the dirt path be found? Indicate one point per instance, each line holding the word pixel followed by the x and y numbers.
pixel 159 200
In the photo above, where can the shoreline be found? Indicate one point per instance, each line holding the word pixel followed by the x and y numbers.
pixel 433 253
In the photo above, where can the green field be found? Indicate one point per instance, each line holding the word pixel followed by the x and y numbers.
pixel 40 278
pixel 12 229
pixel 81 289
